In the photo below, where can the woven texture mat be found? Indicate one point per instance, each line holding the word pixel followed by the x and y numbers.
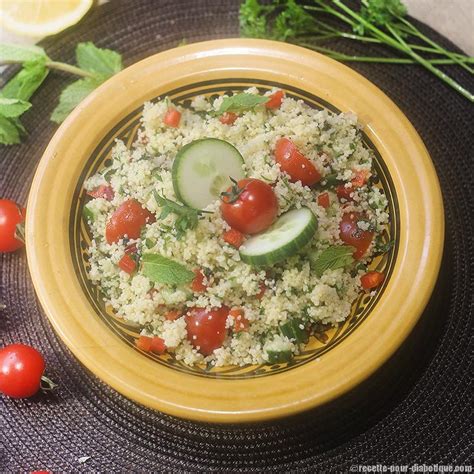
pixel 416 409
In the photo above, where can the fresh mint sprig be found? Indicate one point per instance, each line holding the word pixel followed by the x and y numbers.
pixel 94 66
pixel 186 217
pixel 384 22
pixel 160 269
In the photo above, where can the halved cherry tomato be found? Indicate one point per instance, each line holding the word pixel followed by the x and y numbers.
pixel 371 280
pixel 127 220
pixel 249 206
pixel 206 329
pixel 21 369
pixel 198 284
pixel 11 216
pixel 275 100
pixel 351 234
pixel 158 345
pixel 344 193
pixel 323 200
pixel 173 315
pixel 234 237
pixel 291 161
pixel 360 178
pixel 127 264
pixel 172 117
pixel 228 118
pixel 103 191
pixel 260 294
pixel 240 322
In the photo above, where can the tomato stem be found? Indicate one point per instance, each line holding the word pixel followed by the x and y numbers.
pixel 235 192
pixel 46 384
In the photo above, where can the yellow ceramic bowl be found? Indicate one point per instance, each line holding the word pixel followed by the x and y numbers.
pixel 57 237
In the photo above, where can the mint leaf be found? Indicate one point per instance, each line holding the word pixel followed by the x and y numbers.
pixel 337 256
pixel 241 102
pixel 160 269
pixel 71 96
pixel 24 84
pixel 20 53
pixel 13 107
pixel 10 131
pixel 104 62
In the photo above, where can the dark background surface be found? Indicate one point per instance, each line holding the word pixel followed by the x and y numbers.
pixel 416 409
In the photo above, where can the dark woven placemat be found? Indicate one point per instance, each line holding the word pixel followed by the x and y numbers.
pixel 416 409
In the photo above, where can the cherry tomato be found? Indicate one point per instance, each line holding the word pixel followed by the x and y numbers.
pixel 291 161
pixel 228 118
pixel 206 329
pixel 275 100
pixel 371 280
pixel 234 237
pixel 102 191
pixel 127 264
pixel 198 284
pixel 351 234
pixel 323 200
pixel 172 117
pixel 360 178
pixel 10 216
pixel 21 369
pixel 127 220
pixel 249 206
pixel 240 322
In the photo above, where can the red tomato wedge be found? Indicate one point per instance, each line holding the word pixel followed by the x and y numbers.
pixel 275 100
pixel 127 220
pixel 172 117
pixel 233 237
pixel 206 329
pixel 127 264
pixel 240 322
pixel 293 162
pixel 323 200
pixel 103 191
pixel 371 280
pixel 198 284
pixel 228 118
pixel 173 315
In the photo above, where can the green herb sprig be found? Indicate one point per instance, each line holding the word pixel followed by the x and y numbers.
pixel 242 102
pixel 94 66
pixel 187 217
pixel 332 258
pixel 378 21
pixel 160 269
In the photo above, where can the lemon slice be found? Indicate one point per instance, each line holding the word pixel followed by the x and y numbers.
pixel 41 17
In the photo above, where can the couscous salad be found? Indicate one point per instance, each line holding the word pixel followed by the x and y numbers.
pixel 233 229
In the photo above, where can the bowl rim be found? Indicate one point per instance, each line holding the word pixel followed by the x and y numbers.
pixel 215 400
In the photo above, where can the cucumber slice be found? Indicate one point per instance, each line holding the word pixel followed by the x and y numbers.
pixel 286 237
pixel 202 168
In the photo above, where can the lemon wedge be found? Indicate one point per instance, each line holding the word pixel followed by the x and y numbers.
pixel 40 18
